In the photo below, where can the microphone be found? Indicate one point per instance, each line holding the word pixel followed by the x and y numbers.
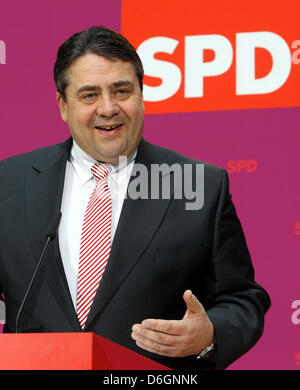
pixel 50 236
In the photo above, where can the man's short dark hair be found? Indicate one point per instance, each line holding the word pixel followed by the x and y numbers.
pixel 97 40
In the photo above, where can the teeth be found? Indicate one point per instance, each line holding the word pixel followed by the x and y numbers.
pixel 107 127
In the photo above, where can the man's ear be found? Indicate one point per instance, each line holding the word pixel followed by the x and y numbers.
pixel 63 107
pixel 143 102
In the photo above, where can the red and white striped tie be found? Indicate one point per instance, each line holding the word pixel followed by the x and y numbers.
pixel 95 242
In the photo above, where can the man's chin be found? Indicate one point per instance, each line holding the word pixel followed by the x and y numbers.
pixel 111 158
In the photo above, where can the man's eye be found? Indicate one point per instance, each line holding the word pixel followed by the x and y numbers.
pixel 122 92
pixel 89 96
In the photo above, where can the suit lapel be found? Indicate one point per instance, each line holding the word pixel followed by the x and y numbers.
pixel 43 194
pixel 139 220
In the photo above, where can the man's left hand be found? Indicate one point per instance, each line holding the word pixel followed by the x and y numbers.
pixel 176 338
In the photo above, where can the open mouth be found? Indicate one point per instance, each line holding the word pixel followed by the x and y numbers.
pixel 108 128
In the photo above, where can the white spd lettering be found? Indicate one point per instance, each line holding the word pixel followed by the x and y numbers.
pixel 196 69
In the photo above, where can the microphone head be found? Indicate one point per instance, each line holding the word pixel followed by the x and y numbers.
pixel 52 229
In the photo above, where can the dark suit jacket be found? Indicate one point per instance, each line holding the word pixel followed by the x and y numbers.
pixel 160 249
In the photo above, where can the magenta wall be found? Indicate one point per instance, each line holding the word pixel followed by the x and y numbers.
pixel 267 198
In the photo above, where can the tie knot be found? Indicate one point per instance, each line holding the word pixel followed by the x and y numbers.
pixel 100 171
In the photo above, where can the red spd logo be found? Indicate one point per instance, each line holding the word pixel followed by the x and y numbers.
pixel 237 166
pixel 215 56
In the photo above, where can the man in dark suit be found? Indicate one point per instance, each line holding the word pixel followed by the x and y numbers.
pixel 179 285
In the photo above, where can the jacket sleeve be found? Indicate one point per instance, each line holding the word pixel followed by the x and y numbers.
pixel 237 304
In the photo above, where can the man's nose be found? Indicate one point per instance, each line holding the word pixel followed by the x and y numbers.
pixel 107 107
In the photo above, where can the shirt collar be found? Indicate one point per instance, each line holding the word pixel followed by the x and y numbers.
pixel 83 162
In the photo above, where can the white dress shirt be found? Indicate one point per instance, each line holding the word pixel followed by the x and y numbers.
pixel 78 186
